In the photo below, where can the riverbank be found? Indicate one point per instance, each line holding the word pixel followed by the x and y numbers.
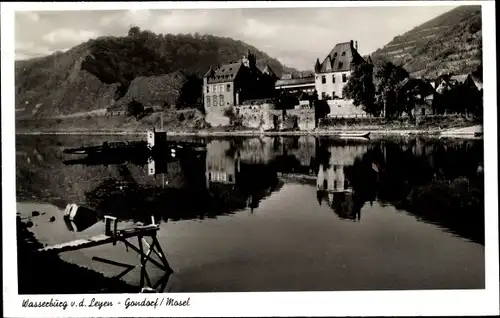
pixel 467 132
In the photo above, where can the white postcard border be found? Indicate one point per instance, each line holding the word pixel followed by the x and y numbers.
pixel 372 303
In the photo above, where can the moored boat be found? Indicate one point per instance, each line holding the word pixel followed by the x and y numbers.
pixel 355 135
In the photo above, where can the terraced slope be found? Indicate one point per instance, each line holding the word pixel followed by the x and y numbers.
pixel 449 43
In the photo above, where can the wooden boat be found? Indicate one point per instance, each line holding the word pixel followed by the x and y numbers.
pixel 78 218
pixel 355 135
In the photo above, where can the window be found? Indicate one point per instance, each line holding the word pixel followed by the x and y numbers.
pixel 221 88
pixel 228 87
pixel 323 79
pixel 335 184
pixel 208 89
pixel 323 95
pixel 208 101
pixel 221 98
pixel 215 100
pixel 343 53
pixel 333 78
pixel 344 78
pixel 340 65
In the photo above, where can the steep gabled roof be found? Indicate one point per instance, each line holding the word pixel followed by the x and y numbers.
pixel 225 73
pixel 268 70
pixel 477 80
pixel 340 58
pixel 209 73
pixel 459 78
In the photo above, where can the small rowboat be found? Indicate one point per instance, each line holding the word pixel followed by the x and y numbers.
pixel 78 218
pixel 355 135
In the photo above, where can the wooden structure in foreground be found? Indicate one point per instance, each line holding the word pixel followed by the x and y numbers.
pixel 144 249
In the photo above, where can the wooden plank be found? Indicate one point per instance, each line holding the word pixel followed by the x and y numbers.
pixel 99 240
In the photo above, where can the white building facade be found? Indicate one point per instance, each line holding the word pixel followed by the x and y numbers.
pixel 333 73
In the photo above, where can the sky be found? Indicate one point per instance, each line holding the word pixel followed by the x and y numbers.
pixel 294 36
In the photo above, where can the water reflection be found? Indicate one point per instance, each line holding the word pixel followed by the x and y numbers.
pixel 439 181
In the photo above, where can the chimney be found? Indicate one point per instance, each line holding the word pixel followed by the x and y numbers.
pixel 352 43
pixel 356 47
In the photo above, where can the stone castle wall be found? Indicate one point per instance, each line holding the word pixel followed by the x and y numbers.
pixel 344 108
pixel 266 117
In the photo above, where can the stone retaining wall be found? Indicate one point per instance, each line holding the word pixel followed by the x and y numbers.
pixel 265 117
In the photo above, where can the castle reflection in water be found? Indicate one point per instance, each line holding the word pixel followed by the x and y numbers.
pixel 236 174
pixel 347 174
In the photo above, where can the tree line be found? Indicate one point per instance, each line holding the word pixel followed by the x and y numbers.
pixel 388 90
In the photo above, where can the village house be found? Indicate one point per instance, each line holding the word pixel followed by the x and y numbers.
pixel 233 83
pixel 444 82
pixel 333 73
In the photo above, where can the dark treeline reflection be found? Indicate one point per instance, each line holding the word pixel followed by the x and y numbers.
pixel 438 181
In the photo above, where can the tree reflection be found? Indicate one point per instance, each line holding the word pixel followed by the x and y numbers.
pixel 439 181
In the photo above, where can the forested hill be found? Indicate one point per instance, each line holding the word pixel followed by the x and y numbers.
pixel 92 74
pixel 449 43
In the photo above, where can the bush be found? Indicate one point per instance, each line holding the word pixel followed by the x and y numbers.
pixel 134 108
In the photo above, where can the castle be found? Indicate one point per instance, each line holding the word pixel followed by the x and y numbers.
pixel 233 83
pixel 333 73
pixel 241 82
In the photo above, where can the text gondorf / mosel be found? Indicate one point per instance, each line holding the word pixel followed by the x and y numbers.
pixel 156 302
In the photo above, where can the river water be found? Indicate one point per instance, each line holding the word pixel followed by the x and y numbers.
pixel 275 213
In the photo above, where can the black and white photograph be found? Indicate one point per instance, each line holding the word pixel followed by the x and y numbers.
pixel 240 148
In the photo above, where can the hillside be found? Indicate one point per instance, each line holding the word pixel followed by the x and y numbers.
pixel 449 43
pixel 99 73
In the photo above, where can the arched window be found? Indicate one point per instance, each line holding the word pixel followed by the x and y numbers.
pixel 228 88
pixel 208 101
pixel 215 100
pixel 221 100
